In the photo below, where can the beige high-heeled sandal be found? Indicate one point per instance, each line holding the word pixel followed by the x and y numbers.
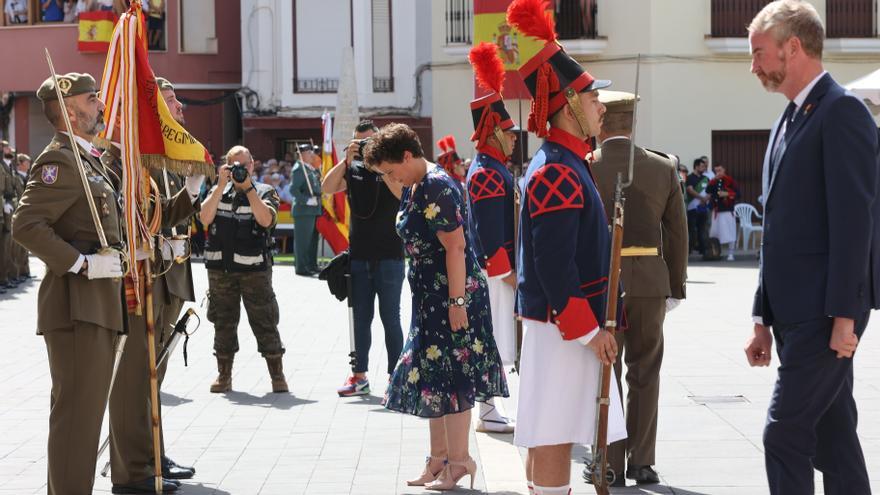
pixel 446 481
pixel 427 476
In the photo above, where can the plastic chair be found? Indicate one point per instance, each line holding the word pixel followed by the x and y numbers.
pixel 744 213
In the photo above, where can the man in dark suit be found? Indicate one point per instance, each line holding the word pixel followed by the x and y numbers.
pixel 819 277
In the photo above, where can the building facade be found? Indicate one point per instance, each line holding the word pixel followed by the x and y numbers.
pixel 198 49
pixel 698 96
pixel 295 67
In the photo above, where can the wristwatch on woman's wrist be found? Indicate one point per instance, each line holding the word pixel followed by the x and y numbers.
pixel 457 301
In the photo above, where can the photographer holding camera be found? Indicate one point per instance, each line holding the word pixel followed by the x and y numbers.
pixel 240 215
pixel 376 254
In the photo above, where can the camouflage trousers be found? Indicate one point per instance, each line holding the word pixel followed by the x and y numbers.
pixel 226 292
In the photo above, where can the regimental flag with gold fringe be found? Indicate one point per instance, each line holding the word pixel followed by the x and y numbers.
pixel 139 123
pixel 333 223
pixel 95 30
pixel 490 24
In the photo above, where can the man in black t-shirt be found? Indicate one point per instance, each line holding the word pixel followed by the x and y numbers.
pixel 376 255
pixel 697 207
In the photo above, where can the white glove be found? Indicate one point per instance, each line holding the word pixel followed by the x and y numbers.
pixel 194 184
pixel 7 208
pixel 313 201
pixel 108 265
pixel 672 303
pixel 173 248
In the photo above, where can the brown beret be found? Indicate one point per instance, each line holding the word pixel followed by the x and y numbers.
pixel 71 84
pixel 617 101
pixel 164 84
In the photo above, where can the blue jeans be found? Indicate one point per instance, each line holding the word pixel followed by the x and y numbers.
pixel 368 279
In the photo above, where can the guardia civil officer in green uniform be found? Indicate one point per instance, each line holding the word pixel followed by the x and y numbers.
pixel 240 215
pixel 131 436
pixel 80 307
pixel 305 187
pixel 653 271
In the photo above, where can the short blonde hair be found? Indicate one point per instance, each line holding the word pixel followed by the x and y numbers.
pixel 787 18
pixel 235 150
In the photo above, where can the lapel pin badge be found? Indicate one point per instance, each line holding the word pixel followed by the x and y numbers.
pixel 808 108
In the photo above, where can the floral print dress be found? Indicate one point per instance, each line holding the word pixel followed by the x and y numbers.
pixel 440 371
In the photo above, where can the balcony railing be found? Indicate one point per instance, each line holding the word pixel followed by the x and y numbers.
pixel 316 85
pixel 383 84
pixel 731 17
pixel 851 18
pixel 576 19
pixel 459 21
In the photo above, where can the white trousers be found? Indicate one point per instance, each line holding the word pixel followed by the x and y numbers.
pixel 501 297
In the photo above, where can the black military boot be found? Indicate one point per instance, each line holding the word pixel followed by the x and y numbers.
pixel 643 475
pixel 174 471
pixel 146 486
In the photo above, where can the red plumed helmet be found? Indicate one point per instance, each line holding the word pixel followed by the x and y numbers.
pixel 488 67
pixel 531 18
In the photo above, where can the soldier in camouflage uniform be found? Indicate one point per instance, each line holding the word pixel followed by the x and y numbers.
pixel 240 216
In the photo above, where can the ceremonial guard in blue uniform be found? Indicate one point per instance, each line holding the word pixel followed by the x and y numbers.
pixel 490 201
pixel 562 265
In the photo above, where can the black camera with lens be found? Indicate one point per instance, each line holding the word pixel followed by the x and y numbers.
pixel 239 172
pixel 358 158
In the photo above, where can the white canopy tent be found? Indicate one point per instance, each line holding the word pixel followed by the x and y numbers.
pixel 868 89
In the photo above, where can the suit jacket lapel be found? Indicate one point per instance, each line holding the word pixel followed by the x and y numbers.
pixel 804 113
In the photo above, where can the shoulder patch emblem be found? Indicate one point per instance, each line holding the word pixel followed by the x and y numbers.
pixel 486 183
pixel 554 187
pixel 49 174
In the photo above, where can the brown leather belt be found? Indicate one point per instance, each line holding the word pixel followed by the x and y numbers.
pixel 640 251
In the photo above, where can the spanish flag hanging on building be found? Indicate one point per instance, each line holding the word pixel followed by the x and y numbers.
pixel 96 30
pixel 490 24
pixel 333 223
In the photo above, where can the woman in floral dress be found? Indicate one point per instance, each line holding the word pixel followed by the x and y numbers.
pixel 449 361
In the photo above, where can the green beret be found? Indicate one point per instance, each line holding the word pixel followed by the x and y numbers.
pixel 164 84
pixel 617 101
pixel 71 84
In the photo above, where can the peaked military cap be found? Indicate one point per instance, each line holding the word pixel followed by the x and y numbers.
pixel 164 84
pixel 617 101
pixel 71 84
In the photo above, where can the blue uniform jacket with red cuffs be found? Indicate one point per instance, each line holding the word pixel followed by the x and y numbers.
pixel 490 201
pixel 564 241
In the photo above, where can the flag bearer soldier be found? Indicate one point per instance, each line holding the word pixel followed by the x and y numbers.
pixel 564 253
pixel 131 445
pixel 653 271
pixel 80 308
pixel 490 201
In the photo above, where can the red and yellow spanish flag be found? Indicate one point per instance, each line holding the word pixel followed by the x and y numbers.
pixel 333 223
pixel 490 24
pixel 139 123
pixel 96 30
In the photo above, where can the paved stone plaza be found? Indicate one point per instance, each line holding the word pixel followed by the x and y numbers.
pixel 310 441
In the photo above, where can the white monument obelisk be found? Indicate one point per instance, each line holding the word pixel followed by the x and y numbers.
pixel 347 112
